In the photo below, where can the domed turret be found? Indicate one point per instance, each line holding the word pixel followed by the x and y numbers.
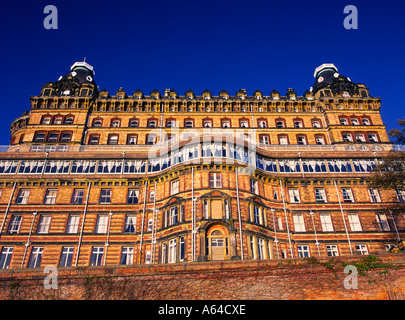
pixel 78 82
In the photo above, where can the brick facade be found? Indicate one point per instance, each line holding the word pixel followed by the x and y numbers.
pixel 82 185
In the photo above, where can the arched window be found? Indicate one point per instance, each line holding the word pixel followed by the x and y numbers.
pixel 225 123
pixel 298 124
pixel 280 124
pixel 133 123
pixel 262 124
pixel 152 123
pixel 365 121
pixel 355 121
pixel 207 123
pixel 316 124
pixel 69 120
pixel 115 123
pixel 57 120
pixel 170 123
pixel 188 124
pixel 46 120
pixel 344 122
pixel 97 123
pixel 244 124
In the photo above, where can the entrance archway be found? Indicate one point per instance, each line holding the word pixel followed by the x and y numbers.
pixel 217 241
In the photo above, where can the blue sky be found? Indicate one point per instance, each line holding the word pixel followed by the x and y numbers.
pixel 201 45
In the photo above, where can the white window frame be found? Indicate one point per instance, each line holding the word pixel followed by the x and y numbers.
pixel 332 250
pixel 72 225
pixel 50 196
pixel 382 221
pixel 299 223
pixel 15 223
pixel 172 255
pixel 97 254
pixel 6 254
pixel 174 186
pixel 303 251
pixel 44 224
pixel 320 195
pixel 22 197
pixel 354 222
pixel 374 195
pixel 101 224
pixel 294 195
pixel 347 195
pixel 326 222
pixel 215 180
pixel 362 249
pixel 129 255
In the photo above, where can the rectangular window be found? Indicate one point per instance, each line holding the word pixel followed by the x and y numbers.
pixel 174 187
pixel 283 140
pixel 326 222
pixel 130 223
pixel 256 214
pixel 372 137
pixel 39 137
pixel 15 223
pixel 354 222
pixel 172 251
pixel 101 224
pixel 65 137
pixel 320 195
pixel 151 139
pixel 72 224
pixel 299 224
pixel 133 195
pixel 112 139
pixel 5 257
pixel 294 195
pixel 362 249
pixel 215 180
pixel 400 195
pixel 260 248
pixel 374 195
pixel 301 140
pixel 254 186
pixel 77 197
pixel 43 224
pixel 303 251
pixel 66 257
pixel 35 257
pixel 50 196
pixel 173 215
pixel 127 255
pixel 382 222
pixel 105 196
pixel 347 195
pixel 332 250
pixel 96 258
pixel 347 137
pixel 22 197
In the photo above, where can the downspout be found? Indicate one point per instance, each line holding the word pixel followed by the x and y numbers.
pixel 343 217
pixel 82 227
pixel 153 228
pixel 107 244
pixel 143 220
pixel 192 214
pixel 286 219
pixel 8 207
pixel 239 215
pixel 275 233
pixel 28 240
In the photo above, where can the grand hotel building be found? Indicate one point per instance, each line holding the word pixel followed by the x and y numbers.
pixel 94 178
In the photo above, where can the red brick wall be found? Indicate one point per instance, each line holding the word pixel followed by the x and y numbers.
pixel 260 279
